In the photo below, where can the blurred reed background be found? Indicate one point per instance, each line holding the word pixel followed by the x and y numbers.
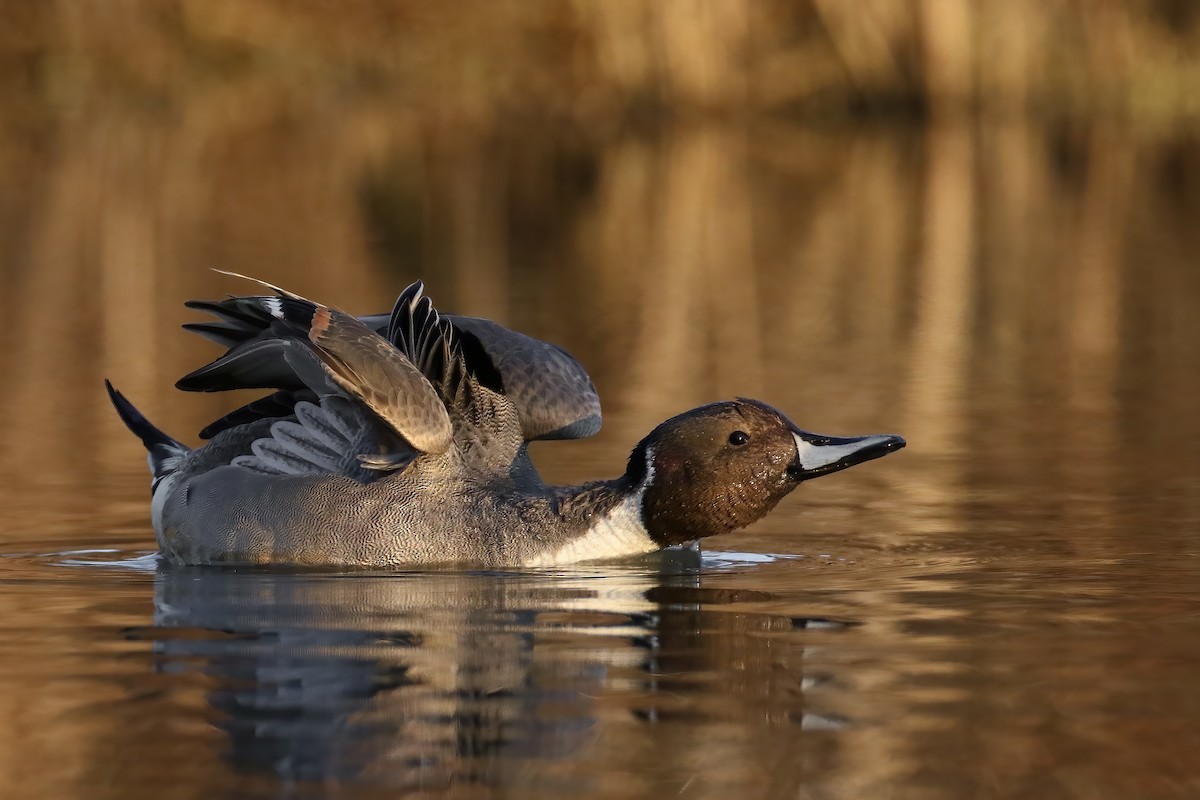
pixel 973 223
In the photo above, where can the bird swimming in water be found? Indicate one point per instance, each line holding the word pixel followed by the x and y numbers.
pixel 400 440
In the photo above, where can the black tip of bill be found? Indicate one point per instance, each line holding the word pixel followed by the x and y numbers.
pixel 818 455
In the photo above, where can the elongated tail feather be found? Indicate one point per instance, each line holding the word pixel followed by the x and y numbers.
pixel 164 452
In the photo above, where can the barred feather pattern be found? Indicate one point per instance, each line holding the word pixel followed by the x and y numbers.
pixel 487 426
pixel 432 344
pixel 364 365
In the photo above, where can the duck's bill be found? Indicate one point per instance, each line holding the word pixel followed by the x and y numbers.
pixel 818 455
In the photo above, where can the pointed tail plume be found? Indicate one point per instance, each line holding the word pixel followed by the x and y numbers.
pixel 164 452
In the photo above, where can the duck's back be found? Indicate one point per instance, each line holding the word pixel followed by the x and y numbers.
pixel 396 449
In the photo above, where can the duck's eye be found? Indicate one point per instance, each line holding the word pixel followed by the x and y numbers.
pixel 739 438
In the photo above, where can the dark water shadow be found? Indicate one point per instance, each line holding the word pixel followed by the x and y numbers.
pixel 436 680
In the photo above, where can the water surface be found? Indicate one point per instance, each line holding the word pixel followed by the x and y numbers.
pixel 1008 608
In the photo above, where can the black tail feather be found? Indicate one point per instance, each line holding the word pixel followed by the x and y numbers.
pixel 226 334
pixel 164 451
pixel 249 312
pixel 443 353
pixel 418 331
pixel 278 405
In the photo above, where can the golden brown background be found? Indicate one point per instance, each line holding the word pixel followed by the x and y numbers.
pixel 918 216
pixel 972 223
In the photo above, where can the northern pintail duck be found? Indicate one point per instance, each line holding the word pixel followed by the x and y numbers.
pixel 401 440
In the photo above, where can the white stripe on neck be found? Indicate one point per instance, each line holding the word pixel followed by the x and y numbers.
pixel 620 532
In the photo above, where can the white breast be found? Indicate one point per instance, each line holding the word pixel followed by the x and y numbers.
pixel 618 533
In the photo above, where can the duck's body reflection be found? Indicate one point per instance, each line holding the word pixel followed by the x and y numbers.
pixel 428 679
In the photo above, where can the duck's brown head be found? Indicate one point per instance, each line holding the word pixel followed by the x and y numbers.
pixel 720 467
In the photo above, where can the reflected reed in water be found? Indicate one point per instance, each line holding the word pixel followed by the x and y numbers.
pixel 1039 297
pixel 1017 299
pixel 461 679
